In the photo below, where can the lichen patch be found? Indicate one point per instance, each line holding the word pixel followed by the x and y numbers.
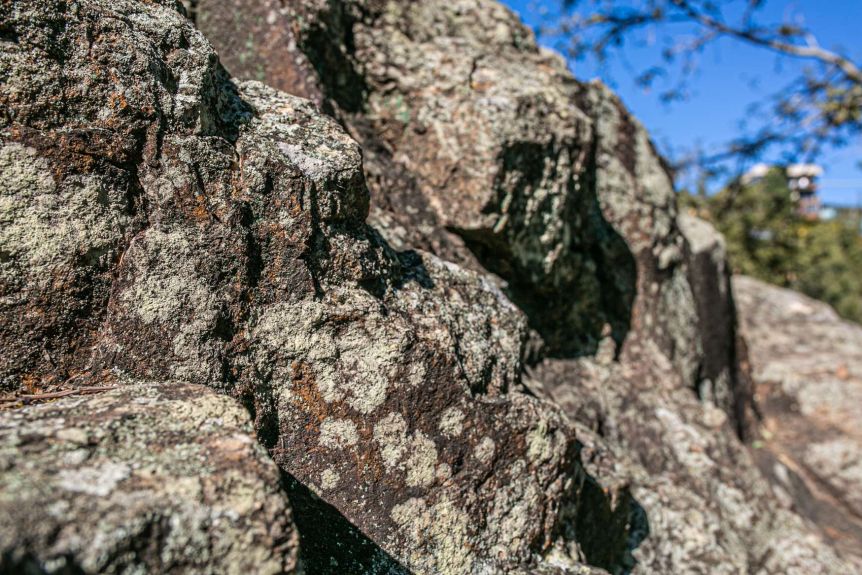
pixel 44 225
pixel 452 422
pixel 390 433
pixel 422 461
pixel 329 479
pixel 338 433
pixel 166 281
pixel 484 451
pixel 415 454
pixel 439 535
pixel 97 480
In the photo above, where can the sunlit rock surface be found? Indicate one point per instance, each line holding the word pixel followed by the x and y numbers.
pixel 145 478
pixel 807 366
pixel 452 290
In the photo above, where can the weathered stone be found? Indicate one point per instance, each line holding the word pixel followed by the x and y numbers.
pixel 469 124
pixel 807 369
pixel 507 383
pixel 145 478
pixel 264 49
pixel 481 148
pixel 723 375
pixel 387 383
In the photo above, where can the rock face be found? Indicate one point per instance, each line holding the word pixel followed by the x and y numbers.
pixel 146 478
pixel 807 365
pixel 481 148
pixel 513 369
pixel 196 230
pixel 508 165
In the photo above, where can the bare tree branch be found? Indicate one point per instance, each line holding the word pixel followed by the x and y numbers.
pixel 822 105
pixel 812 50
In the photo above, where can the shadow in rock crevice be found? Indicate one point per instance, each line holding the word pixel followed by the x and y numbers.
pixel 334 60
pixel 592 283
pixel 607 530
pixel 328 543
pixel 31 565
pixel 607 526
pixel 626 523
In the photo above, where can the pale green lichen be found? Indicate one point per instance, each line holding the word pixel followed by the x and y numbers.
pixel 169 291
pixel 484 450
pixel 338 433
pixel 510 524
pixel 349 364
pixel 44 225
pixel 438 535
pixel 452 422
pixel 422 462
pixel 166 280
pixel 415 454
pixel 147 463
pixel 98 481
pixel 391 433
pixel 329 479
pixel 542 442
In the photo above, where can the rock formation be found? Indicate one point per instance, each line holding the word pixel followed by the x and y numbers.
pixel 144 478
pixel 806 363
pixel 452 291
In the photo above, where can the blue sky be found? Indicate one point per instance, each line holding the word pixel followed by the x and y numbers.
pixel 732 76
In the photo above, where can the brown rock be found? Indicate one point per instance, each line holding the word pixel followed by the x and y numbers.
pixel 481 148
pixel 387 383
pixel 527 408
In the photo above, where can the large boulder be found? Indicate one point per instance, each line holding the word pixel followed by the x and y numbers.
pixel 192 229
pixel 807 368
pixel 508 373
pixel 482 149
pixel 143 479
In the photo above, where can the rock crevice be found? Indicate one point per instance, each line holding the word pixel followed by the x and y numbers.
pixel 455 296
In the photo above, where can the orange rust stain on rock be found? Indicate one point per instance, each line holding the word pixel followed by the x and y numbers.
pixel 367 460
pixel 200 212
pixel 295 208
pixel 307 396
pixel 118 101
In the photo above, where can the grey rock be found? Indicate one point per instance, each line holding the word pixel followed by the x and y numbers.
pixel 724 377
pixel 481 148
pixel 143 479
pixel 388 384
pixel 807 368
pixel 499 376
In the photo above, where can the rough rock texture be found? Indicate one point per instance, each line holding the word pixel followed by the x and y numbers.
pixel 214 233
pixel 511 371
pixel 143 479
pixel 723 375
pixel 807 365
pixel 481 148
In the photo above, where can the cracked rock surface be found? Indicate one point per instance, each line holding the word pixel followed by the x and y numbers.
pixel 451 290
pixel 238 257
pixel 481 148
pixel 148 478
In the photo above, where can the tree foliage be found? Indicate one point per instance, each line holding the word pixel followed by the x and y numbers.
pixel 819 106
